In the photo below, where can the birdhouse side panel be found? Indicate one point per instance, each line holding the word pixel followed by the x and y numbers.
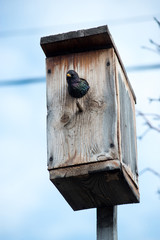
pixel 75 137
pixel 127 125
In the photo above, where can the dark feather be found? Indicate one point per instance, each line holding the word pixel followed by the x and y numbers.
pixel 77 87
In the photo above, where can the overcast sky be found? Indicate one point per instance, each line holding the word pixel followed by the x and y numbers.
pixel 30 206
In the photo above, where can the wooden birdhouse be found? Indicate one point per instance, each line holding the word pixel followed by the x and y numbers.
pixel 92 155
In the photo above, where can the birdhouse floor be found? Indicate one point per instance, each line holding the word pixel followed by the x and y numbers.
pixel 94 185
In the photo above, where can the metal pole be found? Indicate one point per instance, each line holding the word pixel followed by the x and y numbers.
pixel 107 223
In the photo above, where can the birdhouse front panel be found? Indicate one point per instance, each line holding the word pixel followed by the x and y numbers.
pixel 76 137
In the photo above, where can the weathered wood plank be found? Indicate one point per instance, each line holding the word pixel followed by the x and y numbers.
pixel 84 169
pixel 73 137
pixel 76 41
pixel 107 223
pixel 97 184
pixel 128 146
pixel 74 35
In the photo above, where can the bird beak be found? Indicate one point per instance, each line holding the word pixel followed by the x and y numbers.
pixel 68 75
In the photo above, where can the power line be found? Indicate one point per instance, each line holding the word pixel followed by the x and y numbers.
pixel 26 81
pixel 111 22
pixel 142 67
pixel 23 32
pixel 21 82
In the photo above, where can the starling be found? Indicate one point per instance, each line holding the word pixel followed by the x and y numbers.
pixel 77 87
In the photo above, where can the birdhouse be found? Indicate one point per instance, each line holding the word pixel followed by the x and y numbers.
pixel 91 140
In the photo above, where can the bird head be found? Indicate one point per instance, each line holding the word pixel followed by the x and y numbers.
pixel 72 77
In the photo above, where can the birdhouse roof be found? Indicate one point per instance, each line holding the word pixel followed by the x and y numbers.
pixel 81 41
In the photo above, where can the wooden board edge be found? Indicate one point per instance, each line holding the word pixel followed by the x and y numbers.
pixel 118 109
pixel 84 169
pixel 74 35
pixel 120 70
pixel 132 184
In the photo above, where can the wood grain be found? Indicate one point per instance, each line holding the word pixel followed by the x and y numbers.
pixel 74 137
pixel 97 184
pixel 127 124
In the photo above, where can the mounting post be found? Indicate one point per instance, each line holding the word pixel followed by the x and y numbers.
pixel 107 223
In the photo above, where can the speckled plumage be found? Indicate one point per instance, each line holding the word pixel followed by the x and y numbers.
pixel 77 87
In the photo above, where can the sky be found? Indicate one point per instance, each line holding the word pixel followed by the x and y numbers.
pixel 30 206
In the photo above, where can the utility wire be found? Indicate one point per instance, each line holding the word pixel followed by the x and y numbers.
pixel 142 67
pixel 20 82
pixel 111 22
pixel 5 83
